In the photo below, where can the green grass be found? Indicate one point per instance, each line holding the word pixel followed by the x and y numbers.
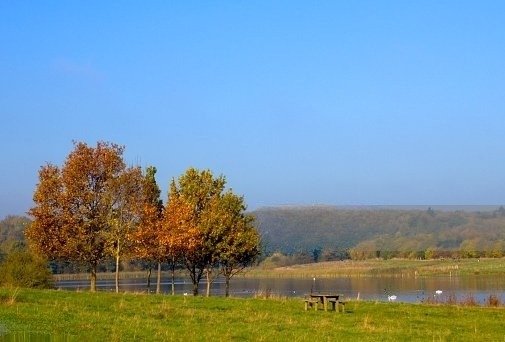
pixel 61 315
pixel 393 267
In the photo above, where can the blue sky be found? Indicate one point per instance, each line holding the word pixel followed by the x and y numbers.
pixel 327 102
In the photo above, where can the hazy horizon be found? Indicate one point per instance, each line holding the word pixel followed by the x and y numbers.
pixel 467 208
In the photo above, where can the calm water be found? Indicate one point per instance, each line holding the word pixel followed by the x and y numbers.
pixel 378 288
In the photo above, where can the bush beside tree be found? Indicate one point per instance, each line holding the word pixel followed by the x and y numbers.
pixel 23 269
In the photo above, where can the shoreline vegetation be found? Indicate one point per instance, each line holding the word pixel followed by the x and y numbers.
pixel 67 315
pixel 346 268
pixel 387 268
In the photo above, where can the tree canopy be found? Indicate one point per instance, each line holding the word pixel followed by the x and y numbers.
pixel 73 205
pixel 95 208
pixel 215 226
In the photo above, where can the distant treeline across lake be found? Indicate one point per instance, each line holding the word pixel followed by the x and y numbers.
pixel 331 233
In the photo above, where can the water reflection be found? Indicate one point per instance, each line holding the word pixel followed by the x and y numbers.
pixel 371 288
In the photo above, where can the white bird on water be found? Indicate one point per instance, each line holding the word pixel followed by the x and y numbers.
pixel 438 292
pixel 391 298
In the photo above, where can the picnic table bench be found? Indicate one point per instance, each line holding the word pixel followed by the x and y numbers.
pixel 314 299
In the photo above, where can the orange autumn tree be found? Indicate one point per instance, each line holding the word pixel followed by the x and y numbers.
pixel 223 237
pixel 147 241
pixel 72 205
pixel 178 235
pixel 197 189
pixel 47 235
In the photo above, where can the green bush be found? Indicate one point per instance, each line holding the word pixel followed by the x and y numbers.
pixel 23 269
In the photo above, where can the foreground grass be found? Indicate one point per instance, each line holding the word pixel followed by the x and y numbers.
pixel 393 267
pixel 60 315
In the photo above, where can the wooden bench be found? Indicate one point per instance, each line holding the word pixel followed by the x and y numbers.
pixel 311 302
pixel 335 302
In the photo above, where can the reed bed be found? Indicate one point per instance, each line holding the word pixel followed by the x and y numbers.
pixel 399 268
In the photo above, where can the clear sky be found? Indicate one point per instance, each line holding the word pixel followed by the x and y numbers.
pixel 295 102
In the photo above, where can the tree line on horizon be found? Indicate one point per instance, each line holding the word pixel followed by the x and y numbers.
pixel 308 234
pixel 311 234
pixel 95 208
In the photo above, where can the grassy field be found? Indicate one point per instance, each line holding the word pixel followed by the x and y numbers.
pixel 60 315
pixel 393 267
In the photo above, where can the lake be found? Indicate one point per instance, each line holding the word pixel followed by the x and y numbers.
pixel 408 289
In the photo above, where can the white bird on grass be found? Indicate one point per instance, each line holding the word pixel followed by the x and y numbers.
pixel 391 298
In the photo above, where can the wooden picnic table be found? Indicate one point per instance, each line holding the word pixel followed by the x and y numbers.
pixel 325 298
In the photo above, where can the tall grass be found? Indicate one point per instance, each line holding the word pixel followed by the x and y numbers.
pixel 386 268
pixel 9 295
pixel 492 300
pixel 130 317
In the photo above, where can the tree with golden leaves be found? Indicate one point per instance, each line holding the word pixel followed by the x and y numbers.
pixel 223 237
pixel 179 235
pixel 126 200
pixel 197 189
pixel 72 208
pixel 147 241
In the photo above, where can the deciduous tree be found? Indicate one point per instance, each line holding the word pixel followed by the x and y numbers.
pixel 72 205
pixel 126 197
pixel 224 239
pixel 178 236
pixel 231 232
pixel 147 241
pixel 197 189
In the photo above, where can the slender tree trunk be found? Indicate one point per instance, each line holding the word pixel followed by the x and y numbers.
pixel 195 276
pixel 227 285
pixel 209 281
pixel 195 288
pixel 173 276
pixel 92 286
pixel 118 246
pixel 149 270
pixel 117 272
pixel 158 280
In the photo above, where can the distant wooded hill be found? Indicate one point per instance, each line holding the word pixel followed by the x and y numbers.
pixel 377 232
pixel 12 233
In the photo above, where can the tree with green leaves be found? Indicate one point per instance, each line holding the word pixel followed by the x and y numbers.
pixel 12 234
pixel 24 269
pixel 234 236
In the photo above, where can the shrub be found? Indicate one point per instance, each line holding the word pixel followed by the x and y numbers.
pixel 493 300
pixel 452 299
pixel 469 300
pixel 23 269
